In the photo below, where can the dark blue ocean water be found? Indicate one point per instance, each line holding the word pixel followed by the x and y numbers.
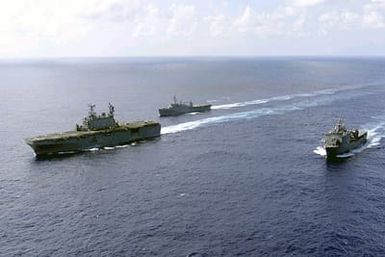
pixel 246 179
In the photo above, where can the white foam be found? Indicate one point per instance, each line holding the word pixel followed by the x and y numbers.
pixel 106 148
pixel 346 155
pixel 376 131
pixel 93 149
pixel 188 125
pixel 241 104
pixel 67 152
pixel 121 146
pixel 320 151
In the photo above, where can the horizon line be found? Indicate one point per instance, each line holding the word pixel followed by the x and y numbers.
pixel 190 56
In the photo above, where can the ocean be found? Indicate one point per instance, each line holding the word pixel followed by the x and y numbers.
pixel 248 178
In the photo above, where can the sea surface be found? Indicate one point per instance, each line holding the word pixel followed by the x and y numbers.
pixel 248 178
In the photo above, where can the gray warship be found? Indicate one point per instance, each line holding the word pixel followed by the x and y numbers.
pixel 96 131
pixel 179 108
pixel 341 140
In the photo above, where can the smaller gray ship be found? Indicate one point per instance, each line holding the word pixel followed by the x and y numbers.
pixel 341 140
pixel 179 108
pixel 96 131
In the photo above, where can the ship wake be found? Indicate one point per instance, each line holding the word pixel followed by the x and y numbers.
pixel 375 133
pixel 330 91
pixel 284 105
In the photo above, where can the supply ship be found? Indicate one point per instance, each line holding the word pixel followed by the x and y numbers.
pixel 179 108
pixel 96 131
pixel 341 140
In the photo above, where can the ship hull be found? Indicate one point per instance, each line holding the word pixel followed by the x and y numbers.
pixel 333 152
pixel 77 141
pixel 164 112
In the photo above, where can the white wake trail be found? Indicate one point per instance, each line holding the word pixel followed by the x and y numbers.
pixel 329 91
pixel 315 100
pixel 376 132
pixel 275 98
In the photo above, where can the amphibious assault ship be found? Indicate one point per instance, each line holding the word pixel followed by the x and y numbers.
pixel 179 108
pixel 341 140
pixel 96 131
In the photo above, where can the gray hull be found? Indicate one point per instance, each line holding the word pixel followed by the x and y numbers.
pixel 76 141
pixel 183 110
pixel 333 152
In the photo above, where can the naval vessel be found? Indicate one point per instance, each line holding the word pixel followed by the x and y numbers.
pixel 341 140
pixel 179 108
pixel 96 131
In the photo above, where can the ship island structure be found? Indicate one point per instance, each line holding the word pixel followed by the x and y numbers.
pixel 96 131
pixel 178 108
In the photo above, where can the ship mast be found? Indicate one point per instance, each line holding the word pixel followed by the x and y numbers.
pixel 111 109
pixel 92 110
